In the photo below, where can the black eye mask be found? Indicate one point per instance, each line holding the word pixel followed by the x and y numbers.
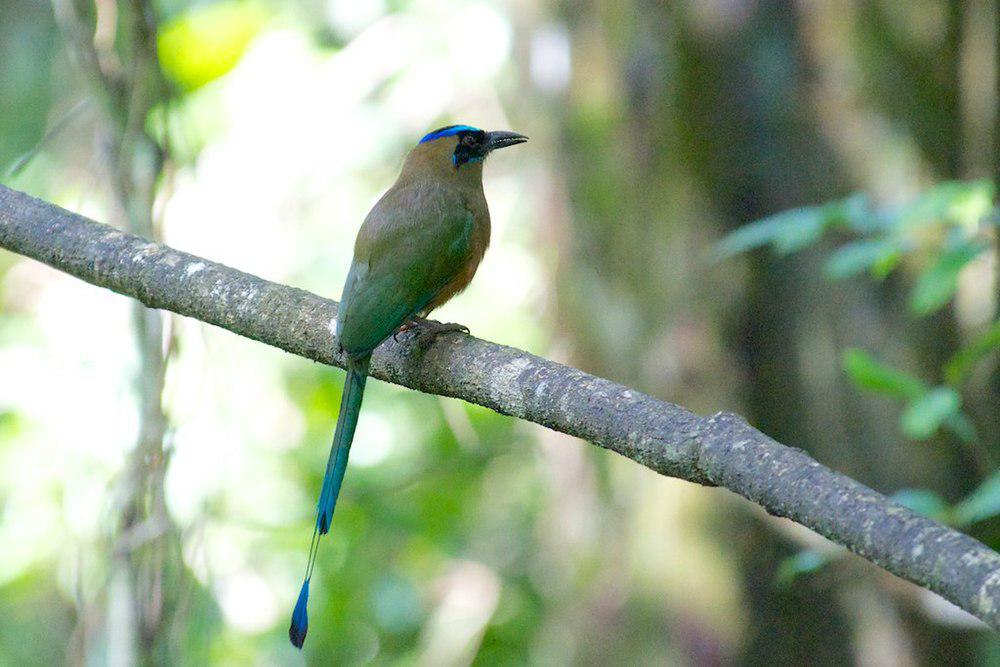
pixel 471 147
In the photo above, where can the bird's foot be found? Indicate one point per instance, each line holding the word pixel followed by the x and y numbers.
pixel 403 328
pixel 425 328
pixel 435 328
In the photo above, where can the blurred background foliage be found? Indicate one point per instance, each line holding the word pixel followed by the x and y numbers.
pixel 158 477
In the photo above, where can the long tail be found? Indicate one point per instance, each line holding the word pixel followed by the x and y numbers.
pixel 350 408
pixel 336 466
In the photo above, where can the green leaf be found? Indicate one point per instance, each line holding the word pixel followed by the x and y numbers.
pixel 877 255
pixel 922 501
pixel 804 562
pixel 970 206
pixel 886 264
pixel 867 373
pixel 801 231
pixel 981 504
pixel 788 231
pixel 857 214
pixel 207 41
pixel 960 426
pixel 957 202
pixel 925 415
pixel 766 231
pixel 937 284
pixel 961 364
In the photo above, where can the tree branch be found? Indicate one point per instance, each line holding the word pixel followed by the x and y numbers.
pixel 721 450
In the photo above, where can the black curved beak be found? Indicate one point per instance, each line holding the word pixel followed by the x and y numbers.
pixel 502 139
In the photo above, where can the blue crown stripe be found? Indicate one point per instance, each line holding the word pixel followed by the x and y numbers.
pixel 448 132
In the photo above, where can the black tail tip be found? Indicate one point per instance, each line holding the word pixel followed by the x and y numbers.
pixel 300 619
pixel 297 635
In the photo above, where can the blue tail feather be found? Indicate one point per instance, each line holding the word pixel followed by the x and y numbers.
pixel 300 618
pixel 336 466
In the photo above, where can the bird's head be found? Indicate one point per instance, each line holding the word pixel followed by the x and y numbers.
pixel 464 144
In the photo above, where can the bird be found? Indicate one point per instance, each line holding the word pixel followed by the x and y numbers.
pixel 419 246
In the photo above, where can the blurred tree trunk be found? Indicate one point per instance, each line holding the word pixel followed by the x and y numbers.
pixel 115 44
pixel 979 78
pixel 711 107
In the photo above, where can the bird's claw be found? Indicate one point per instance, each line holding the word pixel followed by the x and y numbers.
pixel 403 328
pixel 436 328
pixel 429 328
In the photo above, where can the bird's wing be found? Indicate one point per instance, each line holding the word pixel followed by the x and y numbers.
pixel 412 243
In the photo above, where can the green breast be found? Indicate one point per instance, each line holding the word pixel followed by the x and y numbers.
pixel 415 241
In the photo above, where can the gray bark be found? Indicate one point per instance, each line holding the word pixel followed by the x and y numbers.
pixel 722 450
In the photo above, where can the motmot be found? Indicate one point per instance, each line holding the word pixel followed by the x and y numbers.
pixel 419 246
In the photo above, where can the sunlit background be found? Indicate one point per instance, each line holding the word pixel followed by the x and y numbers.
pixel 178 536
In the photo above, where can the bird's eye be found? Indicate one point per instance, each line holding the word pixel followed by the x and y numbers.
pixel 469 140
